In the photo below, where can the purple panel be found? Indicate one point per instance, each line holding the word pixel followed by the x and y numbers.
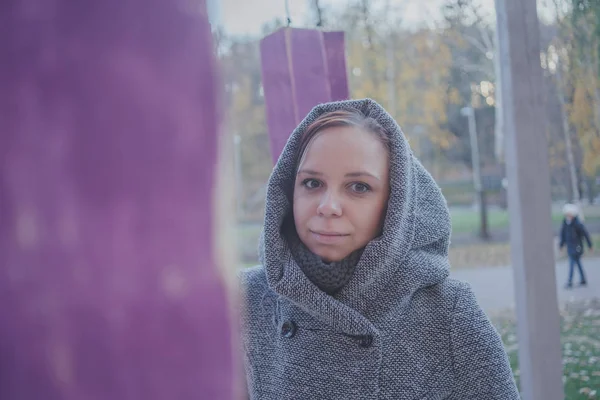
pixel 277 84
pixel 300 68
pixel 309 69
pixel 336 62
pixel 108 143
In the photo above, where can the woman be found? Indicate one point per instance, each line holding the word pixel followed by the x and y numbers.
pixel 572 234
pixel 353 299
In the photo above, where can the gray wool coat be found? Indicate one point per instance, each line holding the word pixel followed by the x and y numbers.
pixel 400 329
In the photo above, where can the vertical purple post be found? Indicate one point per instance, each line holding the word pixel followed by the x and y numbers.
pixel 109 286
pixel 336 62
pixel 300 69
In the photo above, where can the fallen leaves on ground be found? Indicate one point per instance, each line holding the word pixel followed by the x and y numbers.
pixel 580 339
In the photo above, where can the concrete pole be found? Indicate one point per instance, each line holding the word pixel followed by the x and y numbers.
pixel 529 201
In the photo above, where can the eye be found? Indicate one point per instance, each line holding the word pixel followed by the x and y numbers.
pixel 360 188
pixel 311 183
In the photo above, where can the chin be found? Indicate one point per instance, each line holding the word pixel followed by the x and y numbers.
pixel 330 255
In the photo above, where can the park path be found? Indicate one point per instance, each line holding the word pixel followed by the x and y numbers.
pixel 495 292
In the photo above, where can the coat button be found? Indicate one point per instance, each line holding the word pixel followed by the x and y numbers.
pixel 365 341
pixel 288 329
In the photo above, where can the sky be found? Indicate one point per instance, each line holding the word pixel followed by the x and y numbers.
pixel 246 17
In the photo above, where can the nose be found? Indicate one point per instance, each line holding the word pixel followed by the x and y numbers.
pixel 330 205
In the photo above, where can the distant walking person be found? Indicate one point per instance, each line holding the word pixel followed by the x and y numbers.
pixel 572 234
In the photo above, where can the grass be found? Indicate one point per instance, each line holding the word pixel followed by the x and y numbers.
pixel 580 340
pixel 467 220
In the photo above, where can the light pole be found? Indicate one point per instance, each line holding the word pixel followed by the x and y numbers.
pixel 469 112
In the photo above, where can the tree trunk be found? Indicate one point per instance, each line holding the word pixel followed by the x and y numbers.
pixel 499 109
pixel 566 128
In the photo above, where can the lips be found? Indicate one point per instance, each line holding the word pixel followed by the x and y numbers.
pixel 325 233
pixel 327 237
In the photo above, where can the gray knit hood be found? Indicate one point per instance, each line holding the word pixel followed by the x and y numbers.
pixel 412 252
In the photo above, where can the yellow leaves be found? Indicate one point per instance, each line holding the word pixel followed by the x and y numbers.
pixel 419 67
pixel 454 96
pixel 457 38
pixel 581 115
pixel 580 111
pixel 556 155
pixel 435 102
pixel 590 143
pixel 246 116
pixel 245 112
pixel 441 138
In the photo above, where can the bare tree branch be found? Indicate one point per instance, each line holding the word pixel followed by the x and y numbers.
pixel 319 12
pixel 481 47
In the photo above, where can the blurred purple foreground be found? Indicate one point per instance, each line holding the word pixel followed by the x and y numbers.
pixel 108 143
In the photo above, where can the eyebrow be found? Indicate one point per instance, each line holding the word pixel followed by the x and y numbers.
pixel 309 172
pixel 356 174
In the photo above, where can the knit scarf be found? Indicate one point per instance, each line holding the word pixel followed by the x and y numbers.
pixel 329 277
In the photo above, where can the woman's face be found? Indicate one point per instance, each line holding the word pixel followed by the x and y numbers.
pixel 341 192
